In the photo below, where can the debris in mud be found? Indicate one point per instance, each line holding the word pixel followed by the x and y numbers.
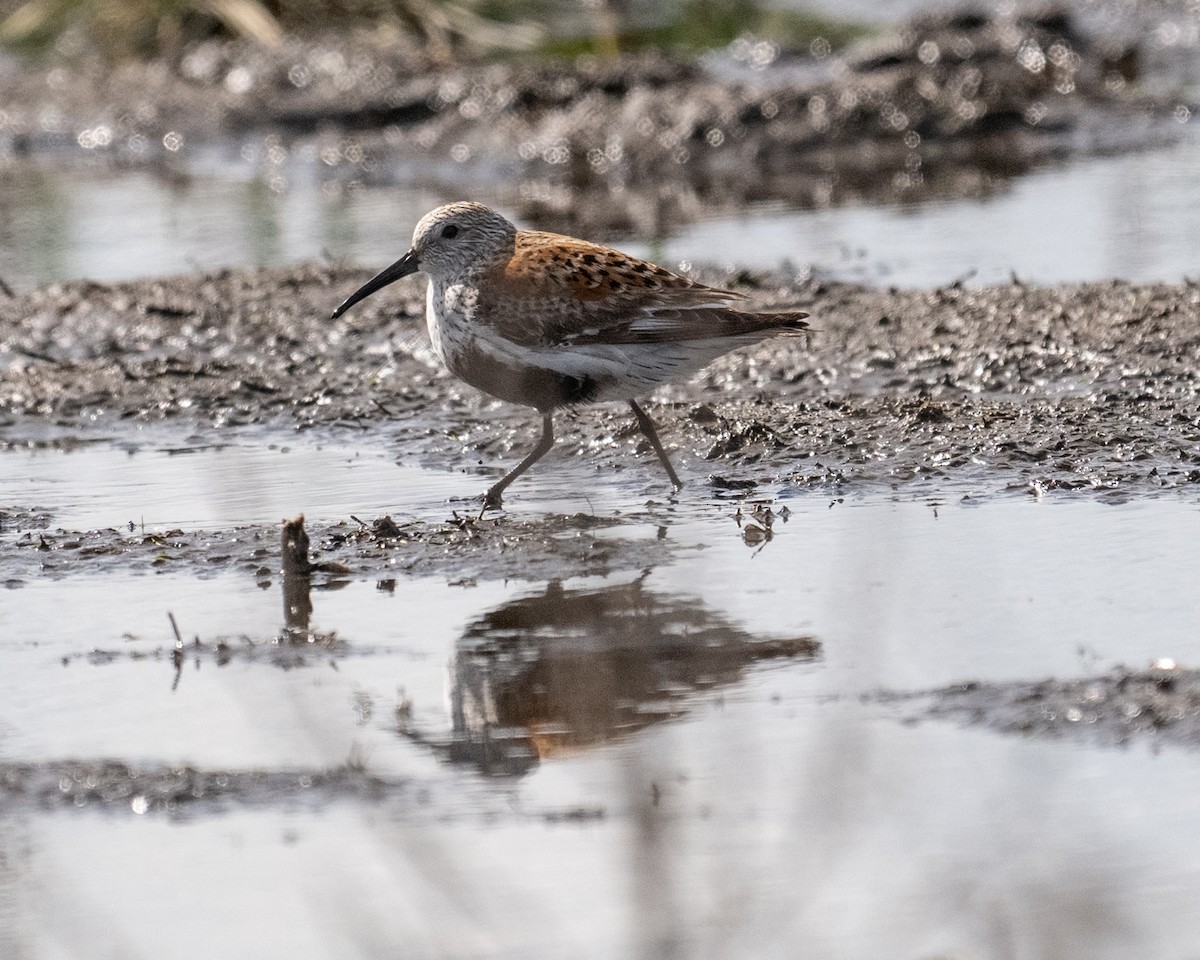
pixel 179 790
pixel 294 549
pixel 384 528
pixel 505 547
pixel 297 571
pixel 1160 704
pixel 758 523
pixel 1080 389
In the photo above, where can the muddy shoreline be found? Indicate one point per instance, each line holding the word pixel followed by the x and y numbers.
pixel 956 394
pixel 1159 704
pixel 1079 387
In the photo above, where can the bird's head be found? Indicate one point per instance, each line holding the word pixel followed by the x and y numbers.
pixel 446 242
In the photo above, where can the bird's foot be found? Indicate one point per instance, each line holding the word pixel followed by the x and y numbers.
pixel 492 500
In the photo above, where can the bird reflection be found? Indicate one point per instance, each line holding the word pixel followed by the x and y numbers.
pixel 566 669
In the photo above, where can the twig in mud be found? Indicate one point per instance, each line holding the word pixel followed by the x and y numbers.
pixel 294 547
pixel 957 282
pixel 297 602
pixel 464 523
pixel 7 290
pixel 294 544
pixel 34 354
pixel 176 653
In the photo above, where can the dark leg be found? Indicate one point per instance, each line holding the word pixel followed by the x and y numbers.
pixel 646 425
pixel 494 496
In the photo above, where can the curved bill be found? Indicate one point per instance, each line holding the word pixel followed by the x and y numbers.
pixel 401 268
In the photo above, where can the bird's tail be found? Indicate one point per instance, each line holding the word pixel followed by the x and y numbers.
pixel 793 321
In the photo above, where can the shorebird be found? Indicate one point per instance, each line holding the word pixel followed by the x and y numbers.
pixel 549 321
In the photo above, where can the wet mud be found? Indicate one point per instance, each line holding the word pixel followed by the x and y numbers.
pixel 461 547
pixel 182 790
pixel 968 392
pixel 1159 705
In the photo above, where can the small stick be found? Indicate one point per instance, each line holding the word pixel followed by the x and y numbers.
pixel 177 653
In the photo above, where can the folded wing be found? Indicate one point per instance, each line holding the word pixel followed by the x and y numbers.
pixel 558 291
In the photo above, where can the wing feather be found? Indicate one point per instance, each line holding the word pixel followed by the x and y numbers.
pixel 557 290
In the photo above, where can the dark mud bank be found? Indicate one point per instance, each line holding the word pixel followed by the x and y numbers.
pixel 1158 705
pixel 961 391
pixel 460 547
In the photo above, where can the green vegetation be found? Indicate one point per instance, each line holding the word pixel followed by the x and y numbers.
pixel 706 24
pixel 121 29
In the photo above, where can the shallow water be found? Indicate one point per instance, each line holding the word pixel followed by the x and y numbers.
pixel 1134 216
pixel 917 842
pixel 156 483
pixel 668 796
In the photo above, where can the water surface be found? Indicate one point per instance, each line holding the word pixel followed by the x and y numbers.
pixel 749 804
pixel 651 779
pixel 1134 216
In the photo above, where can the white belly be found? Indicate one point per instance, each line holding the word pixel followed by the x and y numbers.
pixel 481 357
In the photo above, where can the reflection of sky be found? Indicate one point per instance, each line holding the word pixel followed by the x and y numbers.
pixel 784 811
pixel 775 810
pixel 1135 216
pixel 900 597
pixel 216 488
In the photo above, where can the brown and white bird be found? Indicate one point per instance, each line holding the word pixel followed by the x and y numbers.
pixel 550 321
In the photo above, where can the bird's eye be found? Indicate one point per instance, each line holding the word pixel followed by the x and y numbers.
pixel 450 232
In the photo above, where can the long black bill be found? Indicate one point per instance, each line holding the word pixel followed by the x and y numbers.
pixel 401 268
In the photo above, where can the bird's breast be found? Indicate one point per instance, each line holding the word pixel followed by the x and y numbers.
pixel 476 353
pixel 450 310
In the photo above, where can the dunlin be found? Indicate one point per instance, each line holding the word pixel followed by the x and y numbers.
pixel 550 321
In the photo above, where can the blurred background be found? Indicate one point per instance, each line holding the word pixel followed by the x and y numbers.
pixel 149 139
